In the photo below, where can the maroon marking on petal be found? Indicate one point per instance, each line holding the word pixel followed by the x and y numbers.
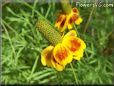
pixel 59 19
pixel 62 54
pixel 74 17
pixel 70 21
pixel 48 55
pixel 75 10
pixel 75 45
pixel 56 61
pixel 63 22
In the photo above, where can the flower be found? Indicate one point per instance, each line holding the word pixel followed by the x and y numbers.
pixel 60 55
pixel 63 49
pixel 65 20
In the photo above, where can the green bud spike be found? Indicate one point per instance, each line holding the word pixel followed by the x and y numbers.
pixel 66 6
pixel 49 32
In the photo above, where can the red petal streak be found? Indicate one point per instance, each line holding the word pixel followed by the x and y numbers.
pixel 63 22
pixel 75 10
pixel 75 45
pixel 59 19
pixel 70 21
pixel 74 17
pixel 62 54
pixel 56 61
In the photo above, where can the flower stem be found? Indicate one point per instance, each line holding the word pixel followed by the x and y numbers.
pixel 66 6
pixel 74 73
pixel 90 16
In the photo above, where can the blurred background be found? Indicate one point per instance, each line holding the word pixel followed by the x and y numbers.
pixel 22 44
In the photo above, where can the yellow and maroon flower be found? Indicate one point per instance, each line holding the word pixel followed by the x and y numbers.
pixel 62 49
pixel 61 54
pixel 66 20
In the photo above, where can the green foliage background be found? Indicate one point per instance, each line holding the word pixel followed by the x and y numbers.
pixel 22 44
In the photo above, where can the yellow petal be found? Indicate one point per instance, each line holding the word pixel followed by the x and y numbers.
pixel 62 54
pixel 46 56
pixel 72 43
pixel 75 45
pixel 69 21
pixel 79 53
pixel 63 28
pixel 69 26
pixel 61 22
pixel 71 33
pixel 78 21
pixel 56 65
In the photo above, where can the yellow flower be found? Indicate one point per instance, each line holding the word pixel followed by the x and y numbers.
pixel 62 49
pixel 66 20
pixel 61 54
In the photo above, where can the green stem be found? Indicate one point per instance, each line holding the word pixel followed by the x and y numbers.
pixel 90 16
pixel 74 73
pixel 33 68
pixel 10 41
pixel 66 6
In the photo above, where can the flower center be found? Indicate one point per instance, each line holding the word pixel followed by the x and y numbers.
pixel 49 32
